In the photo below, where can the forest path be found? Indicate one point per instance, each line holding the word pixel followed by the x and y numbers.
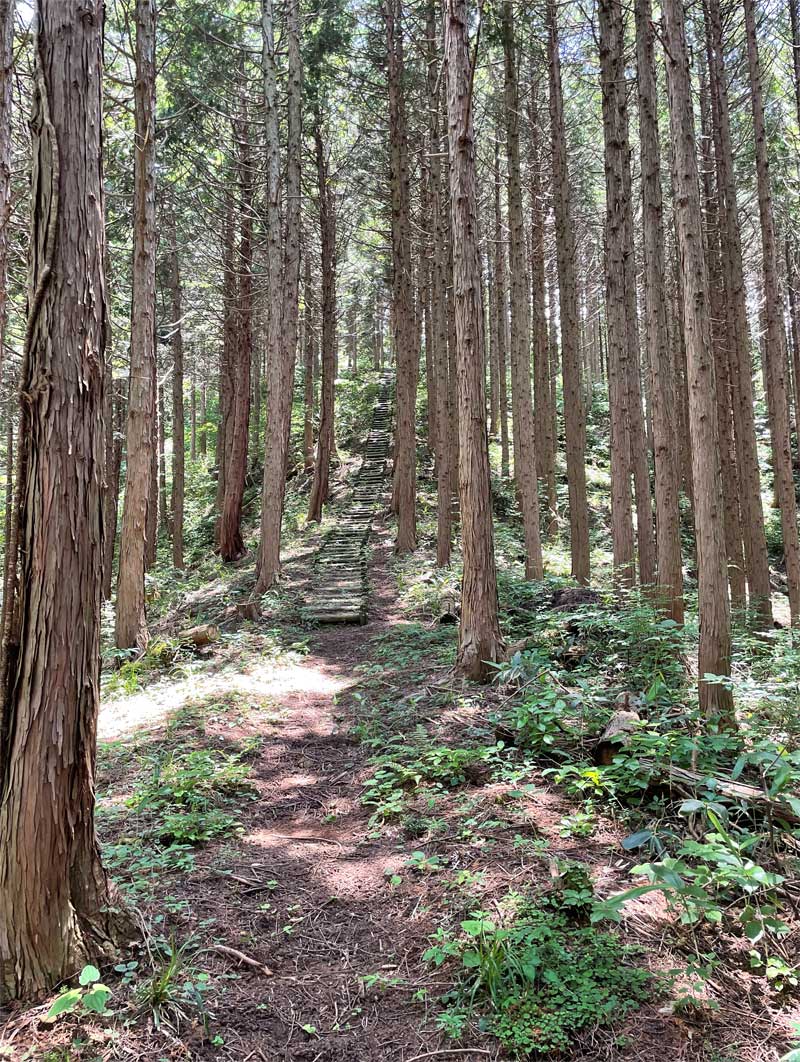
pixel 320 911
pixel 340 589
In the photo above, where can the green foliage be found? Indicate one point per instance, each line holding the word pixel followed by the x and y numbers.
pixel 139 869
pixel 406 768
pixel 90 998
pixel 187 794
pixel 174 993
pixel 536 978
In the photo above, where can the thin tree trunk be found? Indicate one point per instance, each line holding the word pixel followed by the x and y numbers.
pixel 131 619
pixel 715 636
pixel 231 543
pixel 163 510
pixel 775 338
pixel 662 397
pixel 574 411
pixel 407 359
pixel 178 422
pixel 479 634
pixel 327 224
pixel 56 907
pixel 501 319
pixel 308 368
pixel 544 421
pixel 521 392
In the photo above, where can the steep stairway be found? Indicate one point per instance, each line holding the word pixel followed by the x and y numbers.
pixel 340 590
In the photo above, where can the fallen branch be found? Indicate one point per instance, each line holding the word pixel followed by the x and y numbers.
pixel 242 959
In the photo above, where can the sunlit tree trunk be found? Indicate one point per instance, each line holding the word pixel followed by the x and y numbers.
pixel 56 908
pixel 131 619
pixel 574 409
pixel 714 610
pixel 479 633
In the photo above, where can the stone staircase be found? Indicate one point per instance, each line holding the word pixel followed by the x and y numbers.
pixel 340 592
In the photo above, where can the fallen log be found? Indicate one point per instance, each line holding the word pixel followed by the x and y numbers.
pixel 688 782
pixel 200 636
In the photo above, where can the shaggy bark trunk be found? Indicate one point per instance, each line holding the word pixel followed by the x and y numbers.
pixel 115 425
pixel 406 355
pixel 775 339
pixel 662 397
pixel 7 8
pixel 479 632
pixel 131 619
pixel 521 391
pixel 55 900
pixel 574 411
pixel 282 345
pixel 714 610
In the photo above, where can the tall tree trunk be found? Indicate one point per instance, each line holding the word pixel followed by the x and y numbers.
pixel 327 225
pixel 629 441
pixel 775 339
pixel 7 8
pixel 501 318
pixel 308 367
pixel 407 358
pixel 282 345
pixel 227 356
pixel 178 422
pixel 544 421
pixel 131 619
pixel 720 343
pixel 163 511
pixel 715 636
pixel 438 284
pixel 741 372
pixel 56 908
pixel 521 392
pixel 574 411
pixel 662 397
pixel 479 632
pixel 231 543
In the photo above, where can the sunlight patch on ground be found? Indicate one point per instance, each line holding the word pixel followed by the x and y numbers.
pixel 153 706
